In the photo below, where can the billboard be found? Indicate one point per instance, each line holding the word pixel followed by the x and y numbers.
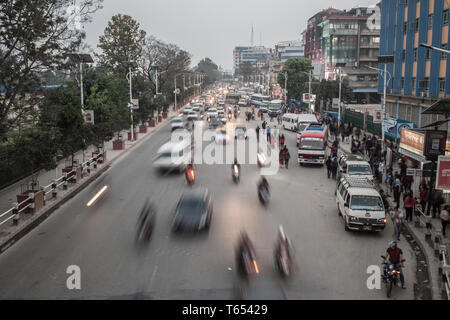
pixel 377 116
pixel 393 127
pixel 435 143
pixel 443 173
pixel 89 116
pixel 412 141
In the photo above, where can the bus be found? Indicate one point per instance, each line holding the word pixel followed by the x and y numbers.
pixel 232 98
pixel 312 145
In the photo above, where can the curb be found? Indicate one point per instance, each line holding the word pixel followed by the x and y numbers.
pixel 29 226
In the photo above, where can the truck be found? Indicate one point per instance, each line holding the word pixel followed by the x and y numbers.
pixel 313 145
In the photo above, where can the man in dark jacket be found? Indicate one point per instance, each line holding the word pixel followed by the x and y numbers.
pixel 329 166
pixel 334 167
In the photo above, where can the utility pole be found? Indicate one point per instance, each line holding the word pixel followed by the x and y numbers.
pixel 285 87
pixel 309 90
pixel 131 103
pixel 340 97
pixel 175 92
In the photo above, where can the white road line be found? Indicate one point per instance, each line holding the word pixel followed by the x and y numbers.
pixel 153 277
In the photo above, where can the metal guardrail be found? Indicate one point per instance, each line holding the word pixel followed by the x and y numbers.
pixel 52 188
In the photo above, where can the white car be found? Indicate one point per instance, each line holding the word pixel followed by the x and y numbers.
pixel 222 137
pixel 192 116
pixel 172 156
pixel 242 102
pixel 187 109
pixel 212 113
pixel 196 108
pixel 177 123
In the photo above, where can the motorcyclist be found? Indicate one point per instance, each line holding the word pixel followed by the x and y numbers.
pixel 263 184
pixel 283 245
pixel 235 163
pixel 395 255
pixel 190 173
pixel 146 216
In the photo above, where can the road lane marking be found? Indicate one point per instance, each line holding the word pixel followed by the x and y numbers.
pixel 153 277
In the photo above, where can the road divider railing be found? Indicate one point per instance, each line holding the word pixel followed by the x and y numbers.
pixel 36 200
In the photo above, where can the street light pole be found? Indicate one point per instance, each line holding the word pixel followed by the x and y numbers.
pixel 131 103
pixel 285 87
pixel 340 96
pixel 309 92
pixel 175 92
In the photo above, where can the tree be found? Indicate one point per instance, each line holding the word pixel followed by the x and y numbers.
pixel 208 67
pixel 328 90
pixel 123 40
pixel 297 71
pixel 246 69
pixel 34 36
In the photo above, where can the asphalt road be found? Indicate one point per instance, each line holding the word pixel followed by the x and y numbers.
pixel 331 263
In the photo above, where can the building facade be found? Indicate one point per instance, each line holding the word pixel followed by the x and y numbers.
pixel 289 49
pixel 346 38
pixel 420 76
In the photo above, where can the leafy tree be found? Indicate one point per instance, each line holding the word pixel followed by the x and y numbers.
pixel 328 90
pixel 211 70
pixel 123 40
pixel 34 36
pixel 246 69
pixel 297 71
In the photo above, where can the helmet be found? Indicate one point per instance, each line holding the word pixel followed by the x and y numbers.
pixel 393 244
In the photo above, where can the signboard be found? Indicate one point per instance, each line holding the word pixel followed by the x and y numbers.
pixel 134 104
pixel 393 127
pixel 378 116
pixel 177 91
pixel 89 116
pixel 414 172
pixel 435 143
pixel 412 141
pixel 443 173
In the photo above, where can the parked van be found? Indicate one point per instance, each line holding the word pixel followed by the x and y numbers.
pixel 172 156
pixel 360 204
pixel 354 166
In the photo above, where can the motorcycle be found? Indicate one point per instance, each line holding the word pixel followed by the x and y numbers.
pixel 235 174
pixel 391 276
pixel 229 116
pixel 146 223
pixel 246 260
pixel 261 159
pixel 190 176
pixel 283 261
pixel 263 195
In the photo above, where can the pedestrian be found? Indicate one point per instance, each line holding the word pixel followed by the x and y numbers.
pixel 287 156
pixel 437 202
pixel 257 133
pixel 282 140
pixel 268 133
pixel 397 189
pixel 399 219
pixel 409 203
pixel 329 166
pixel 445 218
pixel 334 167
pixel 380 171
pixel 423 197
pixel 264 125
pixel 388 182
pixel 357 133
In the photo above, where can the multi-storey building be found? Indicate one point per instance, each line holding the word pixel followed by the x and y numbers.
pixel 418 76
pixel 289 49
pixel 346 38
pixel 258 56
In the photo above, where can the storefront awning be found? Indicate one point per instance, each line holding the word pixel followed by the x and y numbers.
pixel 414 156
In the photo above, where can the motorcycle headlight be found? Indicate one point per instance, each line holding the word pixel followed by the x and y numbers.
pixel 382 220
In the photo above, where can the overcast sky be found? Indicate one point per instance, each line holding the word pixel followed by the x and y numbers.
pixel 212 28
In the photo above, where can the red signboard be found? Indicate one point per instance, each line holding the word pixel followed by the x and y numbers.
pixel 443 173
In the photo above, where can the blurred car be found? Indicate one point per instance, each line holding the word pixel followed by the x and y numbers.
pixel 177 123
pixel 172 156
pixel 215 123
pixel 187 109
pixel 240 132
pixel 242 102
pixel 263 109
pixel 193 212
pixel 222 136
pixel 192 116
pixel 196 108
pixel 212 113
pixel 224 121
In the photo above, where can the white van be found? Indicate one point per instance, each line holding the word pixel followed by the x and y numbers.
pixel 172 156
pixel 289 121
pixel 360 204
pixel 354 166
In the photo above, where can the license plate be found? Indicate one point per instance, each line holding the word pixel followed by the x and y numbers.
pixel 367 228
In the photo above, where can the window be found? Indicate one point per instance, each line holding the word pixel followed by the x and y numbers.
pixel 415 54
pixel 428 54
pixel 416 27
pixel 443 54
pixel 430 21
pixel 376 40
pixel 445 17
pixel 403 83
pixel 441 84
pixel 413 80
pixel 426 83
pixel 405 27
pixel 403 55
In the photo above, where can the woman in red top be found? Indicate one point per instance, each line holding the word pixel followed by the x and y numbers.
pixel 409 203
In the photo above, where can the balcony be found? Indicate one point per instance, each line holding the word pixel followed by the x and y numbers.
pixel 343 32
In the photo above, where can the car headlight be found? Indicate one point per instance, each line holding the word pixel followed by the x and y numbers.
pixel 382 220
pixel 354 219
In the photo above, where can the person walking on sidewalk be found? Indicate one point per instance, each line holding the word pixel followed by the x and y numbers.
pixel 445 218
pixel 268 133
pixel 334 167
pixel 397 189
pixel 399 219
pixel 409 203
pixel 257 133
pixel 389 181
pixel 287 156
pixel 423 197
pixel 329 166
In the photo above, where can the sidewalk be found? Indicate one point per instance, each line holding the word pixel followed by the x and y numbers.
pixel 8 195
pixel 417 232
